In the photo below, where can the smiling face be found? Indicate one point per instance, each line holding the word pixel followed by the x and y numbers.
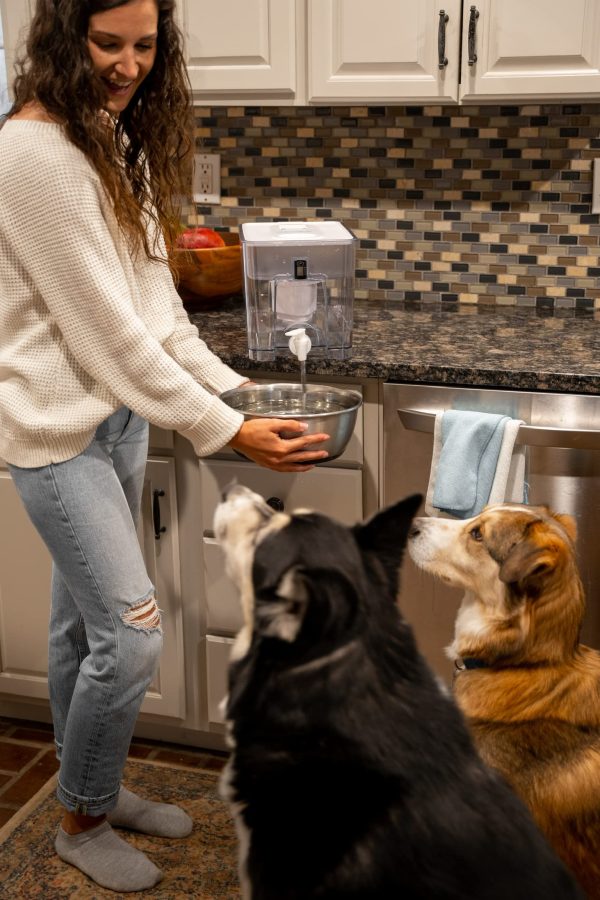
pixel 122 46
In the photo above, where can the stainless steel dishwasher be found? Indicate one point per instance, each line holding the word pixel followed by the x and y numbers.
pixel 562 433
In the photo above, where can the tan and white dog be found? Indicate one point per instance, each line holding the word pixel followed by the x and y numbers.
pixel 529 689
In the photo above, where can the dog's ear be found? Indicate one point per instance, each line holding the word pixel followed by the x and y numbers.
pixel 529 561
pixel 385 534
pixel 568 524
pixel 280 614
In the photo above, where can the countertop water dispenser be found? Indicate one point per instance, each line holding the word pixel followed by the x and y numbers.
pixel 298 275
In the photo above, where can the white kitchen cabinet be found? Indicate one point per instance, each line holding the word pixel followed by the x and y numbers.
pixel 386 50
pixel 218 651
pixel 159 539
pixel 391 51
pixel 547 49
pixel 25 569
pixel 509 50
pixel 240 48
pixel 24 599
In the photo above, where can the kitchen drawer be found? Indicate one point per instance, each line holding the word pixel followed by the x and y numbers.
pixel 353 455
pixel 223 609
pixel 218 650
pixel 337 493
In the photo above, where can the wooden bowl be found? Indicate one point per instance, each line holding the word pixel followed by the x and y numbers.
pixel 210 273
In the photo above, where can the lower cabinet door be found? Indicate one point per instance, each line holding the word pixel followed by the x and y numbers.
pixel 25 571
pixel 159 539
pixel 218 650
pixel 223 608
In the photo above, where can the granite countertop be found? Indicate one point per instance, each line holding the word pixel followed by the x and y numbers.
pixel 486 346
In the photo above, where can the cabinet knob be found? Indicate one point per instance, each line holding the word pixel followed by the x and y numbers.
pixel 276 504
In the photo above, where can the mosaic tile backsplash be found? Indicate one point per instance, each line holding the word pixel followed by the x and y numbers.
pixel 487 204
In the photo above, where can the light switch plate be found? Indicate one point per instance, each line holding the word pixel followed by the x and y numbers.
pixel 207 178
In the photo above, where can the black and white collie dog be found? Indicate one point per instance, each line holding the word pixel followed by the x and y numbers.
pixel 352 773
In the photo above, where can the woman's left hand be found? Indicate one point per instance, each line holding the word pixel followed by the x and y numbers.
pixel 260 440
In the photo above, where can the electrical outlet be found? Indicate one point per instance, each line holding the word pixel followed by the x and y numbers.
pixel 207 178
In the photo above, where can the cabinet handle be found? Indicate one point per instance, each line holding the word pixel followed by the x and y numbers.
pixel 276 504
pixel 158 528
pixel 442 58
pixel 472 28
pixel 528 435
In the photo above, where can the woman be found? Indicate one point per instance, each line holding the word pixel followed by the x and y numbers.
pixel 94 343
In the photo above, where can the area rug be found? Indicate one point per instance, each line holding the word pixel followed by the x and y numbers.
pixel 201 866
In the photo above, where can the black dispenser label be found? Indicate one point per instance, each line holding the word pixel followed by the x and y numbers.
pixel 300 268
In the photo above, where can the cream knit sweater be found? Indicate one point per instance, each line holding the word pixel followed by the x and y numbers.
pixel 84 327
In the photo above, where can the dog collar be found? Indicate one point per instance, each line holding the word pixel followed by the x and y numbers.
pixel 471 662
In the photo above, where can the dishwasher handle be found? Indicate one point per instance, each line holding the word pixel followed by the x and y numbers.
pixel 529 435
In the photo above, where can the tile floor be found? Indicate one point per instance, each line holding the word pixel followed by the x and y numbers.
pixel 27 760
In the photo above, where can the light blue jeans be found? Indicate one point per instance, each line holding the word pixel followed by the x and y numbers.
pixel 105 634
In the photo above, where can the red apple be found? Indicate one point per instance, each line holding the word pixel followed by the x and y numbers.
pixel 199 238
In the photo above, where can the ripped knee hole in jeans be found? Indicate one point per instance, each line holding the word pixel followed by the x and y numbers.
pixel 143 615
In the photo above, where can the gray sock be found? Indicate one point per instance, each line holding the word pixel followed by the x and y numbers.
pixel 160 819
pixel 107 859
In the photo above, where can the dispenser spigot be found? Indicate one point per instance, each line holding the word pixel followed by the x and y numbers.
pixel 300 343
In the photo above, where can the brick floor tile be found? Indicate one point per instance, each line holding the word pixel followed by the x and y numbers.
pixel 31 781
pixel 32 734
pixel 138 751
pixel 5 815
pixel 215 763
pixel 14 756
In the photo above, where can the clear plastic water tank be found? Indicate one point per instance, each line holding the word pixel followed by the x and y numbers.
pixel 298 275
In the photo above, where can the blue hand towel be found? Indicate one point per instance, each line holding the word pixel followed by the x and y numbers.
pixel 471 443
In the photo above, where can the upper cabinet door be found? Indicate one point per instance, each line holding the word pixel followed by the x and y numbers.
pixel 383 51
pixel 546 49
pixel 240 47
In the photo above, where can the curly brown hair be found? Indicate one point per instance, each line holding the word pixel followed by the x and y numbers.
pixel 145 162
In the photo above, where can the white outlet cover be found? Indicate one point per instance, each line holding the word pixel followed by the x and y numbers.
pixel 207 178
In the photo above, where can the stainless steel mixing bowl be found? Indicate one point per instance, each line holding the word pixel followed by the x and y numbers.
pixel 327 409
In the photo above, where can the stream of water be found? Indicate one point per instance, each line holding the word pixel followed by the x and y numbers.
pixel 303 382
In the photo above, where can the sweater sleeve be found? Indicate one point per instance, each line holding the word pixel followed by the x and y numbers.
pixel 59 223
pixel 190 351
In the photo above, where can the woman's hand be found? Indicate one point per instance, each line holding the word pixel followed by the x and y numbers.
pixel 260 440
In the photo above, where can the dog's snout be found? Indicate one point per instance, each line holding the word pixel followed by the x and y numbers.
pixel 230 489
pixel 418 526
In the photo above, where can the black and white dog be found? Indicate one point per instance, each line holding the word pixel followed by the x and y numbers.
pixel 352 773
